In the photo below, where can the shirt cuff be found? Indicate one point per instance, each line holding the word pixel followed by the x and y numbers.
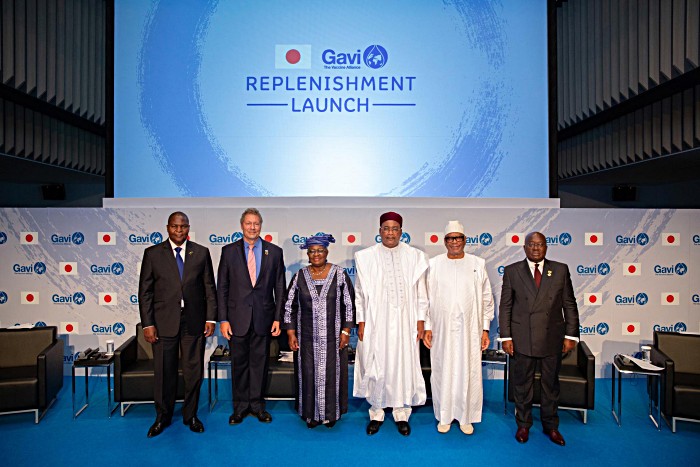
pixel 572 338
pixel 211 321
pixel 503 339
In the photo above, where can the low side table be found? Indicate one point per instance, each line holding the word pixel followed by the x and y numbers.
pixel 621 368
pixel 103 361
pixel 215 361
pixel 494 357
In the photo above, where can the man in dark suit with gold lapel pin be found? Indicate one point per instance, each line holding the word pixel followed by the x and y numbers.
pixel 177 302
pixel 251 290
pixel 538 320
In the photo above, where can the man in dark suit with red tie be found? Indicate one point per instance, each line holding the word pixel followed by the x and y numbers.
pixel 251 286
pixel 177 302
pixel 539 322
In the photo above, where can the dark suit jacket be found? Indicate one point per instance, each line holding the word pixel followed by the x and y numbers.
pixel 538 320
pixel 160 289
pixel 239 301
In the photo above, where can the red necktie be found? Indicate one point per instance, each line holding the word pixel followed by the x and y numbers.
pixel 538 275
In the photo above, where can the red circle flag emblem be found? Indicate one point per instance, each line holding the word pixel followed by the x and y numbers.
pixel 108 298
pixel 515 239
pixel 632 269
pixel 30 297
pixel 68 268
pixel 434 238
pixel 69 327
pixel 594 239
pixel 630 328
pixel 268 238
pixel 293 56
pixel 670 239
pixel 29 238
pixel 592 299
pixel 351 238
pixel 670 298
pixel 106 238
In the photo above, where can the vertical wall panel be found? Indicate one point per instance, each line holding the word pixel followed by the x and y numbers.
pixel 693 33
pixel 51 53
pixel 677 122
pixel 70 47
pixel 614 52
pixel 624 49
pixel 643 44
pixel 598 55
pixel 8 42
pixel 656 129
pixel 678 34
pixel 41 28
pixel 29 135
pixel 31 47
pixel 84 54
pixel 697 116
pixel 633 51
pixel 20 46
pixel 90 59
pixel 687 125
pixel 19 131
pixel 60 53
pixel 605 44
pixel 665 32
pixel 77 54
pixel 647 122
pixel 654 25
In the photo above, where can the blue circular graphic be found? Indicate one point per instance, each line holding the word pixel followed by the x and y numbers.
pixel 641 298
pixel 485 239
pixel 681 269
pixel 642 239
pixel 156 238
pixel 3 298
pixel 118 328
pixel 77 238
pixel 117 269
pixel 40 324
pixel 602 328
pixel 235 236
pixel 603 269
pixel 405 237
pixel 565 239
pixel 3 237
pixel 39 268
pixel 375 56
pixel 78 298
pixel 679 327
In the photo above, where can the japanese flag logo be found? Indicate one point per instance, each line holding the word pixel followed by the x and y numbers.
pixel 631 269
pixel 515 239
pixel 433 238
pixel 68 268
pixel 670 299
pixel 670 239
pixel 29 298
pixel 270 237
pixel 594 239
pixel 29 238
pixel 106 238
pixel 593 299
pixel 352 238
pixel 630 329
pixel 69 327
pixel 107 298
pixel 288 56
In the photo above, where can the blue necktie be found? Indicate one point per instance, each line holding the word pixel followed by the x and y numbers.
pixel 180 262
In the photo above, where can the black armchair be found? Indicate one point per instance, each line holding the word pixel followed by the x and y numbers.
pixel 134 373
pixel 576 381
pixel 31 370
pixel 678 354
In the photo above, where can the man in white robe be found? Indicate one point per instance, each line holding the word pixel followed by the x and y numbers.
pixel 391 302
pixel 457 331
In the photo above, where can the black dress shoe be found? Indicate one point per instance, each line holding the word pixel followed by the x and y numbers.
pixel 195 425
pixel 157 428
pixel 555 437
pixel 330 424
pixel 373 427
pixel 264 416
pixel 312 424
pixel 236 418
pixel 404 428
pixel 522 435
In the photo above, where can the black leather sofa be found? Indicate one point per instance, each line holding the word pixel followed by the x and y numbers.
pixel 679 355
pixel 134 373
pixel 576 381
pixel 31 370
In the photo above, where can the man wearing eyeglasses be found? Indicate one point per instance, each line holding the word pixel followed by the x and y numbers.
pixel 539 322
pixel 177 302
pixel 457 331
pixel 391 303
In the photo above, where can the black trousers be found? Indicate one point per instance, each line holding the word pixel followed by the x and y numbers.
pixel 523 380
pixel 249 357
pixel 165 361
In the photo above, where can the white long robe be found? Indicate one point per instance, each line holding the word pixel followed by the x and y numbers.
pixel 461 308
pixel 390 298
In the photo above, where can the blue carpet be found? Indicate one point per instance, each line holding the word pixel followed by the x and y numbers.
pixel 94 439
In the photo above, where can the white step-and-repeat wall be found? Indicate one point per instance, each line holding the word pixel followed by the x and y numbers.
pixel 633 271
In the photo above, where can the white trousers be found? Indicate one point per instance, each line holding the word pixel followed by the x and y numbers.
pixel 400 414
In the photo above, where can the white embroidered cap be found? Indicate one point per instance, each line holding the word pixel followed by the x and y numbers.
pixel 454 227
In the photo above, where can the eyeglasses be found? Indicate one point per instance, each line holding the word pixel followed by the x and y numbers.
pixel 455 239
pixel 391 229
pixel 178 226
pixel 319 251
pixel 536 245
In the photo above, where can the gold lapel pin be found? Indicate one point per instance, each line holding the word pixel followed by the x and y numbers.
pixel 265 252
pixel 190 252
pixel 549 273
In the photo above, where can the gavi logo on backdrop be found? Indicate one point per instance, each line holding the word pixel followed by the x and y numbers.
pixel 602 269
pixel 600 329
pixel 217 239
pixel 678 269
pixel 76 298
pixel 680 326
pixel 153 238
pixel 640 299
pixel 563 239
pixel 117 328
pixel 38 268
pixel 641 239
pixel 76 238
pixel 114 269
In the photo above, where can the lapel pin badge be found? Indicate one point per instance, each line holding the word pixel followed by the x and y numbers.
pixel 265 252
pixel 189 253
pixel 549 273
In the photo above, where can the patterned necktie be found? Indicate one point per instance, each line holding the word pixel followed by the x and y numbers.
pixel 251 264
pixel 180 262
pixel 538 275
